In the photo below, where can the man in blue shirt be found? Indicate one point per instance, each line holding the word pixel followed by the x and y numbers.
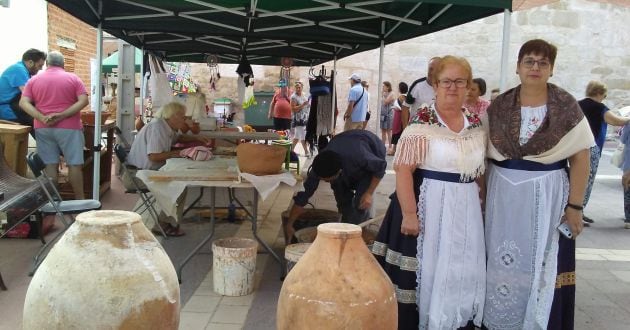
pixel 12 82
pixel 357 105
pixel 354 164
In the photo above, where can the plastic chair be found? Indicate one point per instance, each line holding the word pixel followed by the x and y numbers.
pixel 64 210
pixel 148 200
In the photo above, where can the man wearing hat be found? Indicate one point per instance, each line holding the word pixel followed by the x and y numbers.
pixel 357 105
pixel 354 164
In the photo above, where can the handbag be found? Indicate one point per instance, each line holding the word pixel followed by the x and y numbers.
pixel 617 157
pixel 160 88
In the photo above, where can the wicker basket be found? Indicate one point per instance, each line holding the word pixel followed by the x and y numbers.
pixel 260 159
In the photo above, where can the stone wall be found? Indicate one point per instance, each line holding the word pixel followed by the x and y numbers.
pixel 592 37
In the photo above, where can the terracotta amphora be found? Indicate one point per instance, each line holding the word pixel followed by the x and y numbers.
pixel 106 272
pixel 337 284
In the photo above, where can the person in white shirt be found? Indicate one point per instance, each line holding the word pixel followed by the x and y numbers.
pixel 420 92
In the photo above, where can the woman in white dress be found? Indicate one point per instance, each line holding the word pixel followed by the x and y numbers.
pixel 448 144
pixel 534 129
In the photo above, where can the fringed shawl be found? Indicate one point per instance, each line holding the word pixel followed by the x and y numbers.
pixel 563 132
pixel 415 139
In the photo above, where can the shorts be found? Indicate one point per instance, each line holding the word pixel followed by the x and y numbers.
pixel 395 138
pixel 299 133
pixel 54 142
pixel 281 124
pixel 386 121
pixel 350 125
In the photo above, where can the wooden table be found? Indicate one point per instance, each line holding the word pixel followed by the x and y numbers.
pixel 15 140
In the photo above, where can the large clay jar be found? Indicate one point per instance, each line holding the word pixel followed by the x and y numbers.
pixel 107 272
pixel 337 284
pixel 260 159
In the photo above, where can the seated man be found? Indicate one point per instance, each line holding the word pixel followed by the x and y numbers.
pixel 152 147
pixel 354 164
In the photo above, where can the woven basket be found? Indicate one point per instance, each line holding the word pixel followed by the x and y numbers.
pixel 260 159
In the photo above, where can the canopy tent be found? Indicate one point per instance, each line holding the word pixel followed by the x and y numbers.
pixel 110 64
pixel 266 31
pixel 309 31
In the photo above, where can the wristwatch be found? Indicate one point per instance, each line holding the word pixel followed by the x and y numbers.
pixel 575 207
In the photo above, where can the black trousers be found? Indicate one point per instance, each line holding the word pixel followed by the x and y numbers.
pixel 348 199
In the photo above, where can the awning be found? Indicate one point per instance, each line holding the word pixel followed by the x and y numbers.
pixel 309 31
pixel 110 64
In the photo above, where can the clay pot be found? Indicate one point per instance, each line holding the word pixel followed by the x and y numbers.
pixel 337 284
pixel 260 159
pixel 139 123
pixel 195 128
pixel 107 272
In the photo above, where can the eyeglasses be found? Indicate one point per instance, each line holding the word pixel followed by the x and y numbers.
pixel 447 83
pixel 542 64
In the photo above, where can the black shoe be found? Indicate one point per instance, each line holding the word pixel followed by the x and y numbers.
pixel 587 219
pixel 586 224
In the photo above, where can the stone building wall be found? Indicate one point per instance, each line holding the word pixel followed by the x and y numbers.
pixel 592 37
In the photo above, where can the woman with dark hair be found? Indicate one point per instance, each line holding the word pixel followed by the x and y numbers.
pixel 397 125
pixel 474 103
pixel 534 129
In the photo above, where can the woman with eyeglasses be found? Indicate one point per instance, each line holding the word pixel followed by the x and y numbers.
pixel 447 144
pixel 538 148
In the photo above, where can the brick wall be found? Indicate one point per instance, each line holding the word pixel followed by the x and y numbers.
pixel 75 39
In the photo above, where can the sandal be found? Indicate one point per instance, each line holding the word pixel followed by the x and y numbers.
pixel 169 230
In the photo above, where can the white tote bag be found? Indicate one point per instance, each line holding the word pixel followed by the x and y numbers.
pixel 159 87
pixel 617 157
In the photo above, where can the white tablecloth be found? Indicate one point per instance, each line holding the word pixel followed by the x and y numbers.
pixel 167 192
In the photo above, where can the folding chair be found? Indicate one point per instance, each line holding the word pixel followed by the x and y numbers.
pixel 134 187
pixel 64 210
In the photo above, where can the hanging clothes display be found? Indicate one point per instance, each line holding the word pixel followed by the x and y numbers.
pixel 321 121
pixel 245 84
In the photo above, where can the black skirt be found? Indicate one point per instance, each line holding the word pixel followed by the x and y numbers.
pixel 396 253
pixel 563 306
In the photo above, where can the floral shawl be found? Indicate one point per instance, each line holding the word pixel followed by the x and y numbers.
pixel 563 132
pixel 425 127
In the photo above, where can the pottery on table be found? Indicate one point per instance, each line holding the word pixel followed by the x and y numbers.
pixel 106 272
pixel 337 284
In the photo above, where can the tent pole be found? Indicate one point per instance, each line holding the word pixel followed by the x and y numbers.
pixel 379 99
pixel 505 48
pixel 142 85
pixel 334 92
pixel 96 161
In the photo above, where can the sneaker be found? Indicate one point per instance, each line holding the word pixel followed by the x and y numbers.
pixel 587 219
pixel 627 225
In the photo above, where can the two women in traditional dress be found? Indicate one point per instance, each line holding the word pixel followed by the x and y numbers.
pixel 538 142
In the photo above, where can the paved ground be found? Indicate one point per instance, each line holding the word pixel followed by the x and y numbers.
pixel 603 267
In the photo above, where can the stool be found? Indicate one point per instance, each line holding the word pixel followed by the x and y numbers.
pixel 288 145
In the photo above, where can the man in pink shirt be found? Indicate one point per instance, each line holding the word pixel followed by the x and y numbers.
pixel 54 98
